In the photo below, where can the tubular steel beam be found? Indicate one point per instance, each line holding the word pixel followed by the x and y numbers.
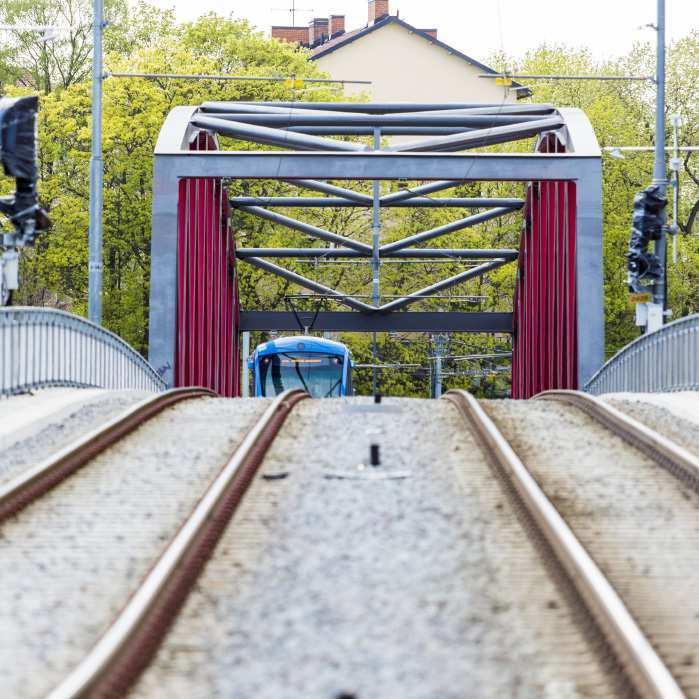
pixel 310 284
pixel 326 188
pixel 368 130
pixel 482 137
pixel 528 109
pixel 273 137
pixel 413 322
pixel 310 108
pixel 306 228
pixel 338 253
pixel 366 107
pixel 445 229
pixel 441 285
pixel 219 109
pixel 376 121
pixel 413 192
pixel 332 202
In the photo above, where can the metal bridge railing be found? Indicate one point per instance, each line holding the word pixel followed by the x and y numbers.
pixel 666 360
pixel 45 347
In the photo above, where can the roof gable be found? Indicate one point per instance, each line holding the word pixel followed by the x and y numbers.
pixel 349 37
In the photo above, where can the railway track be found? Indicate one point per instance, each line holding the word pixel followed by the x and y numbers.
pixel 575 540
pixel 631 497
pixel 19 492
pixel 666 453
pixel 645 669
pixel 128 645
pixel 329 609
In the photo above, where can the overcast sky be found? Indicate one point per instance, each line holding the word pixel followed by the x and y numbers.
pixel 607 27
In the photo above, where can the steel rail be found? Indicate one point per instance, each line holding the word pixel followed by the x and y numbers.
pixel 675 458
pixel 643 666
pixel 19 492
pixel 124 651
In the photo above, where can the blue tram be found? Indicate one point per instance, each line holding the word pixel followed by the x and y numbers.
pixel 321 367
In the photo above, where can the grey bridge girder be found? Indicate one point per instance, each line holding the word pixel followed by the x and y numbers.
pixel 413 322
pixel 330 161
pixel 338 202
pixel 375 165
pixel 414 253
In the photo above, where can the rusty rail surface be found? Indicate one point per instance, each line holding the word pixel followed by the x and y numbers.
pixel 127 647
pixel 641 663
pixel 19 492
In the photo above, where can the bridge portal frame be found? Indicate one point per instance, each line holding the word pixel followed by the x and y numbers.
pixel 580 163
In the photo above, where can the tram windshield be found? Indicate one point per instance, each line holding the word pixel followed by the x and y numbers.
pixel 319 374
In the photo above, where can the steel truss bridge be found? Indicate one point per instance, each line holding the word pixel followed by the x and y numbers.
pixel 557 321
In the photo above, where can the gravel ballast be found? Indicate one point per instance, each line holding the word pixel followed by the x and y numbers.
pixel 29 445
pixel 71 559
pixel 420 583
pixel 639 523
pixel 660 417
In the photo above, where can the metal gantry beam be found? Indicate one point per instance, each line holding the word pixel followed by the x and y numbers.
pixel 340 202
pixel 328 165
pixel 418 253
pixel 413 322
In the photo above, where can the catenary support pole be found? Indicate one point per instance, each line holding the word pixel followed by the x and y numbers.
pixel 376 258
pixel 656 320
pixel 94 293
pixel 439 347
pixel 244 371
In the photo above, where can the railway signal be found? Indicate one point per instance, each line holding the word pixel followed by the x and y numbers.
pixel 644 268
pixel 18 157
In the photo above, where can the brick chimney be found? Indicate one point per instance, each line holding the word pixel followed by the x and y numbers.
pixel 378 9
pixel 318 30
pixel 294 35
pixel 337 25
pixel 431 32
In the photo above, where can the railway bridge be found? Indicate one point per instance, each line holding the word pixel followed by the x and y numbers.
pixel 177 543
pixel 556 319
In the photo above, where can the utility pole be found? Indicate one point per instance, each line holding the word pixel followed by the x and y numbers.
pixel 376 257
pixel 656 309
pixel 94 294
pixel 439 352
pixel 675 165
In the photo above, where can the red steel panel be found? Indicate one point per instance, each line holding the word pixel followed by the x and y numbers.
pixel 545 315
pixel 207 294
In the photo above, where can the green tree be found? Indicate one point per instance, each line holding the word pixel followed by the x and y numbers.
pixel 67 58
pixel 55 271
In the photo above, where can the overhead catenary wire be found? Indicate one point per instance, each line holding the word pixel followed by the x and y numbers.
pixel 240 78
